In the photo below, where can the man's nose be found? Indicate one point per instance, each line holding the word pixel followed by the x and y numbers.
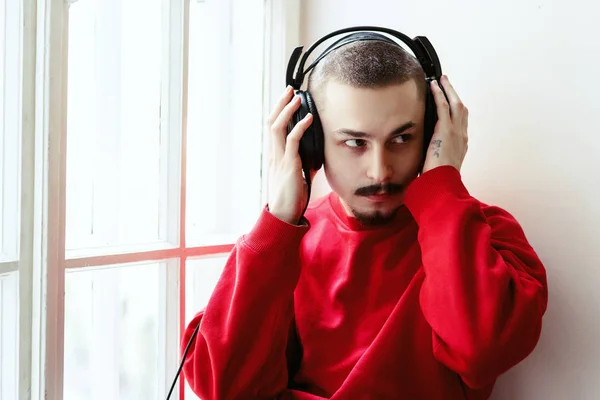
pixel 380 169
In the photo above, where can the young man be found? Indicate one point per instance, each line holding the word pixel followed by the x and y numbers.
pixel 398 284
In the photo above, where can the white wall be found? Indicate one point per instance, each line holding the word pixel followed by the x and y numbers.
pixel 528 72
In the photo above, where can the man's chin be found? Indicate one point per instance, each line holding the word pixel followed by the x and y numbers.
pixel 375 217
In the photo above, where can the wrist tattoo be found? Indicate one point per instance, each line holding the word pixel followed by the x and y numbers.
pixel 436 144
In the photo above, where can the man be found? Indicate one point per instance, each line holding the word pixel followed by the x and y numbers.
pixel 398 284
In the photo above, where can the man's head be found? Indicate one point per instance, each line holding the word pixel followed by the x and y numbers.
pixel 370 96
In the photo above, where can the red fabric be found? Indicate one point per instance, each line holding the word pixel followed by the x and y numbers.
pixel 435 306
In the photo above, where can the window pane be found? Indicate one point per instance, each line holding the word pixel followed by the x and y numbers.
pixel 202 275
pixel 10 128
pixel 112 330
pixel 224 120
pixel 9 345
pixel 113 122
pixel 2 113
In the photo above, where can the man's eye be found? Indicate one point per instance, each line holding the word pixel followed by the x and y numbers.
pixel 355 142
pixel 401 139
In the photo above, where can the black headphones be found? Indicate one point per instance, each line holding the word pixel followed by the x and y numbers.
pixel 312 143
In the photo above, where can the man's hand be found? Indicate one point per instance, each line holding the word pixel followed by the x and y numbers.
pixel 287 188
pixel 449 141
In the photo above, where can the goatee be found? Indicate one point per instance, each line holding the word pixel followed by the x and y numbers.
pixel 376 218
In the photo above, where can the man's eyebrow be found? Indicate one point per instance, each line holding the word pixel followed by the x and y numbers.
pixel 363 135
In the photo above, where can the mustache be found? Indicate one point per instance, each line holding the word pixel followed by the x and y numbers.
pixel 383 188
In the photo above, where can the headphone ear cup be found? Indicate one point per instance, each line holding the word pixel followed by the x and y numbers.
pixel 311 144
pixel 315 142
pixel 431 119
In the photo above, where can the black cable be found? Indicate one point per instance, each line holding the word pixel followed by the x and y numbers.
pixel 308 184
pixel 183 360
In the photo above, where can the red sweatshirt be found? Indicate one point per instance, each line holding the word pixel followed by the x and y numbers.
pixel 434 306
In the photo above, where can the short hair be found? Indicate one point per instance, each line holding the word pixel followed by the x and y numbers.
pixel 367 64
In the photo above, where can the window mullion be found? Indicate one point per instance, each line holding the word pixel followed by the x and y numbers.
pixel 28 165
pixel 49 200
pixel 173 163
pixel 169 337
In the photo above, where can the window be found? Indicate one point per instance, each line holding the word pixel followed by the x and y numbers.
pixel 202 275
pixel 143 167
pixel 151 104
pixel 10 130
pixel 131 158
pixel 8 336
pixel 115 324
pixel 10 177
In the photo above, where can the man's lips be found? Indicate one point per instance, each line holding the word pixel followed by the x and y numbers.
pixel 380 197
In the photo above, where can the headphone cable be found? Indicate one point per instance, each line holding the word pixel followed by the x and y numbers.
pixel 183 360
pixel 308 184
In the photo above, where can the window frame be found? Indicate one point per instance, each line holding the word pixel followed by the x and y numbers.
pixel 12 47
pixel 42 260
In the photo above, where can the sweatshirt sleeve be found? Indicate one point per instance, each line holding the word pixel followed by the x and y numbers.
pixel 240 348
pixel 485 289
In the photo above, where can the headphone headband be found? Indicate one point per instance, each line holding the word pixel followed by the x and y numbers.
pixel 420 46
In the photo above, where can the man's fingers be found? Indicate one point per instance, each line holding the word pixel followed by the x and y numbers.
pixel 292 144
pixel 442 106
pixel 279 127
pixel 456 104
pixel 277 140
pixel 283 100
pixel 449 89
pixel 284 117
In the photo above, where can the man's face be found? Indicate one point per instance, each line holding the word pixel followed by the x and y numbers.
pixel 373 146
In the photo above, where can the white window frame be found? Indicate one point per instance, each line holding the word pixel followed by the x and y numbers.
pixel 9 158
pixel 42 261
pixel 11 103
